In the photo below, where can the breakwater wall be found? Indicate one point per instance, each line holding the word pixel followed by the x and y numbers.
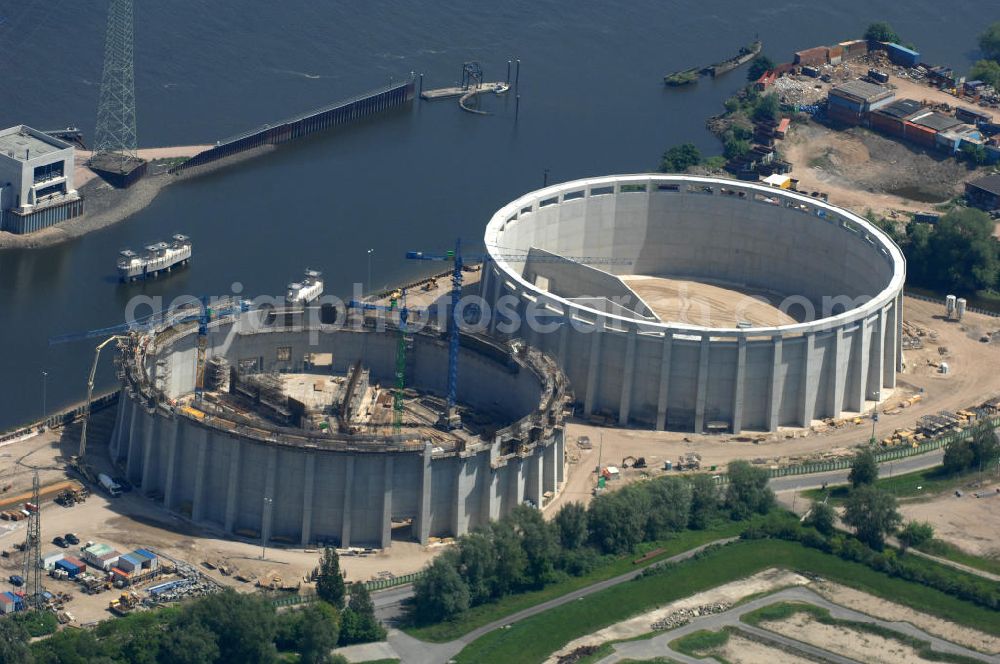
pixel 339 113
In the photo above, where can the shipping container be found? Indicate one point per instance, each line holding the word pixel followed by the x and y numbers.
pixel 900 55
pixel 919 135
pixel 886 124
pixel 812 56
pixel 811 71
pixel 854 49
pixel 71 566
pixel 845 115
pixel 971 116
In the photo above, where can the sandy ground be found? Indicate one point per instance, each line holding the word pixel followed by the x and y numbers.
pixel 858 645
pixel 974 376
pixel 697 303
pixel 83 174
pixel 885 610
pixel 768 580
pixel 741 650
pixel 968 522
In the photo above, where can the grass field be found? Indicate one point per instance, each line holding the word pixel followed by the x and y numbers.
pixel 943 549
pixel 487 613
pixel 697 644
pixel 908 485
pixel 535 638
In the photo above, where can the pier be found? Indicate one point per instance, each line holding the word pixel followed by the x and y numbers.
pixel 459 91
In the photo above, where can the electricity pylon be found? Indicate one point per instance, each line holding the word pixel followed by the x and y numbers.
pixel 115 142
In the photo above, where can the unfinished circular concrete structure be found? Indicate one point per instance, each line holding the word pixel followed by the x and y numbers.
pixel 294 440
pixel 803 310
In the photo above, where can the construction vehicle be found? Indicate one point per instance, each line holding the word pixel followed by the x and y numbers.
pixel 124 604
pixel 689 461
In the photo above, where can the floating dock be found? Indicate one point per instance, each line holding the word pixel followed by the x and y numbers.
pixel 459 91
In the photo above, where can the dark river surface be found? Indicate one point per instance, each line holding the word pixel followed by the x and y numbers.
pixel 592 103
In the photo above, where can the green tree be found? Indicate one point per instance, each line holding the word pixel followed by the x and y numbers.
pixel 962 253
pixel 987 71
pixel 864 468
pixel 477 563
pixel 617 520
pixel 512 562
pixel 735 148
pixel 882 32
pixel 244 625
pixel 958 456
pixel 767 109
pixel 191 643
pixel 704 501
pixel 747 491
pixel 873 515
pixel 680 158
pixel 976 154
pixel 915 533
pixel 758 66
pixel 359 623
pixel 571 521
pixel 329 581
pixel 540 544
pixel 989 41
pixel 670 507
pixel 319 631
pixel 440 593
pixel 822 517
pixel 14 643
pixel 984 447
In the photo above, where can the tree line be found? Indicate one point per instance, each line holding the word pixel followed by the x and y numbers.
pixel 523 551
pixel 219 628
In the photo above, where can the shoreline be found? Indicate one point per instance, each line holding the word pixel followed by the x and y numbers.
pixel 106 205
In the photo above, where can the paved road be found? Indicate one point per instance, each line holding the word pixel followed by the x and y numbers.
pixel 659 645
pixel 886 469
pixel 409 649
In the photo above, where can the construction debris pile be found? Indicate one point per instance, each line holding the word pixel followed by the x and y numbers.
pixel 682 617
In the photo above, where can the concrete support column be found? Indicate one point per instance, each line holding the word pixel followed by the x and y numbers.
pixel 877 371
pixel 232 491
pixel 860 367
pixel 628 377
pixel 664 393
pixel 560 456
pixel 549 469
pixel 810 374
pixel 149 424
pixel 594 370
pixel 497 290
pixel 741 372
pixel 537 468
pixel 387 472
pixel 777 385
pixel 491 501
pixel 308 491
pixel 424 520
pixel 270 481
pixel 520 472
pixel 563 340
pixel 891 327
pixel 899 336
pixel 130 462
pixel 459 516
pixel 839 375
pixel 699 404
pixel 345 524
pixel 116 435
pixel 168 482
pixel 200 470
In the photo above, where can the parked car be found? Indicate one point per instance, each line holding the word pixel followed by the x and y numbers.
pixel 16 580
pixel 60 542
pixel 71 538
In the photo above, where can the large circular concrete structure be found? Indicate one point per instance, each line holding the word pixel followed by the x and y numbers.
pixel 295 441
pixel 802 314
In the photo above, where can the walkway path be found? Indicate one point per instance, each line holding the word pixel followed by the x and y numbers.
pixel 659 646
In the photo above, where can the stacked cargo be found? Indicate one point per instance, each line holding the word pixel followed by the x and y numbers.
pixel 854 49
pixel 49 560
pixel 72 566
pixel 101 556
pixel 835 54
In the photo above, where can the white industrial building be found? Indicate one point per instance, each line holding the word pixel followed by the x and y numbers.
pixel 36 180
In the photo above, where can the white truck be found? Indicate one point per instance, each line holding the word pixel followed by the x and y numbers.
pixel 109 485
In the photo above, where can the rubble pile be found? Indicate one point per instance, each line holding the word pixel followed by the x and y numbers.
pixel 682 617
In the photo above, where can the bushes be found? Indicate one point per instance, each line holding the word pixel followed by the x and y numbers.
pixel 915 533
pixel 747 492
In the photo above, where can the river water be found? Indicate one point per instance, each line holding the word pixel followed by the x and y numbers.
pixel 592 103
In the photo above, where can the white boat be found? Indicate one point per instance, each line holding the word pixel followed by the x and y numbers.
pixel 155 258
pixel 307 290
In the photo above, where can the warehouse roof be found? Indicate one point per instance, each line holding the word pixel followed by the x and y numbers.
pixel 902 108
pixel 990 183
pixel 862 90
pixel 936 121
